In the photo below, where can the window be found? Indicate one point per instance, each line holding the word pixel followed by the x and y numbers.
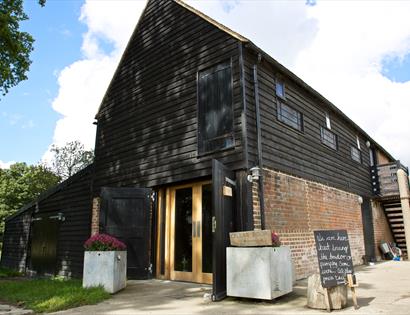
pixel 328 126
pixel 356 155
pixel 280 89
pixel 328 138
pixel 215 109
pixel 290 116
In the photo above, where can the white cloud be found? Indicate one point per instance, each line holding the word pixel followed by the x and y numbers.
pixel 335 46
pixel 82 84
pixel 6 165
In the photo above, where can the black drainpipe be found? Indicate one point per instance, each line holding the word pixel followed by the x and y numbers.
pixel 259 135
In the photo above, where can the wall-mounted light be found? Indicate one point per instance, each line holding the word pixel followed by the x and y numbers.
pixel 368 144
pixel 360 200
pixel 255 174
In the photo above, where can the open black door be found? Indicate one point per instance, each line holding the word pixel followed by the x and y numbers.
pixel 125 214
pixel 223 193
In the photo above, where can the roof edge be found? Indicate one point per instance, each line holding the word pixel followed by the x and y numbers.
pixel 311 90
pixel 51 191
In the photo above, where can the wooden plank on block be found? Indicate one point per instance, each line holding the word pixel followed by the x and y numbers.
pixel 251 238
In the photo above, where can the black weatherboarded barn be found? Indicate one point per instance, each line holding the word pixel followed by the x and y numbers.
pixel 192 108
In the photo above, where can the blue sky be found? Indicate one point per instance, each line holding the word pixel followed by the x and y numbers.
pixel 74 60
pixel 27 120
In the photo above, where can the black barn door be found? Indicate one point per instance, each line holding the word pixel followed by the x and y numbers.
pixel 222 224
pixel 44 235
pixel 368 230
pixel 125 214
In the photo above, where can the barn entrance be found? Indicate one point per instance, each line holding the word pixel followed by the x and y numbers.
pixel 193 225
pixel 191 233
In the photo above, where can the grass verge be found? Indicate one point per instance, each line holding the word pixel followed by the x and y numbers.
pixel 5 272
pixel 49 295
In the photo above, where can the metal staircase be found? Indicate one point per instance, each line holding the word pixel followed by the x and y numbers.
pixel 394 215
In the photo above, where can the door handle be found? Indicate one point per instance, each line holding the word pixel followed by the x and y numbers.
pixel 198 228
pixel 193 229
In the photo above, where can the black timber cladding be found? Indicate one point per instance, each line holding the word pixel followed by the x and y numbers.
pixel 147 124
pixel 15 242
pixel 302 153
pixel 72 198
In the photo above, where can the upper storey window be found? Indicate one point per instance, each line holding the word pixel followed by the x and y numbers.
pixel 290 116
pixel 280 89
pixel 215 109
pixel 328 138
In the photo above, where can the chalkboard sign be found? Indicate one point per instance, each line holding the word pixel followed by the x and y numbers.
pixel 334 256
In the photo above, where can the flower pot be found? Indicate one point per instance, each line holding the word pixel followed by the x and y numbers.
pixel 107 269
pixel 259 272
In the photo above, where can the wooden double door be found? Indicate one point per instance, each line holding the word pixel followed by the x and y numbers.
pixel 189 232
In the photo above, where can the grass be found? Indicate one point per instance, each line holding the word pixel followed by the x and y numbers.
pixel 5 272
pixel 49 295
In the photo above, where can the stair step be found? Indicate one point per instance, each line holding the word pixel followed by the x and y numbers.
pixel 397 220
pixel 398 231
pixel 393 209
pixel 397 225
pixel 400 214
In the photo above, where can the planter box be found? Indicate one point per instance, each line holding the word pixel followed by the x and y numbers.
pixel 260 272
pixel 251 238
pixel 108 269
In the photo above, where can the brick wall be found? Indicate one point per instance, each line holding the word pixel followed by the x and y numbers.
pixel 295 207
pixel 381 227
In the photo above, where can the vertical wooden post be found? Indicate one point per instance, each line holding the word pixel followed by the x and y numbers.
pixel 327 300
pixel 352 284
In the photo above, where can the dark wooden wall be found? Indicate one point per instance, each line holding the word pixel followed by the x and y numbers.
pixel 72 198
pixel 15 242
pixel 147 125
pixel 74 201
pixel 302 153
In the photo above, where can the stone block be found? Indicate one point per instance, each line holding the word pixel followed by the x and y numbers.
pixel 251 238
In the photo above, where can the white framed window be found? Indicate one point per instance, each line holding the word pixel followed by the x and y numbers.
pixel 328 125
pixel 280 88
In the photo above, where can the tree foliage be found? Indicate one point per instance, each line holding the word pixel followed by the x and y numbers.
pixel 15 45
pixel 70 159
pixel 20 185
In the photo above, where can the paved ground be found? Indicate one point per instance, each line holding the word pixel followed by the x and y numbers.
pixel 11 310
pixel 384 289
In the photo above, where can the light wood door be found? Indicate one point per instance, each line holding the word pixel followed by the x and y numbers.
pixel 190 233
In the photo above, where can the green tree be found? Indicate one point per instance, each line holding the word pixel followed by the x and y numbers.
pixel 20 185
pixel 70 159
pixel 15 45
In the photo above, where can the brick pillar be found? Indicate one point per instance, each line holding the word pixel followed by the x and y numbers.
pixel 95 219
pixel 256 206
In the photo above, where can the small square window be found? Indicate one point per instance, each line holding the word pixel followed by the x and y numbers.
pixel 358 142
pixel 328 138
pixel 328 125
pixel 290 116
pixel 280 89
pixel 356 155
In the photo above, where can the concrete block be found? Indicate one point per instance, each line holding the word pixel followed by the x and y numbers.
pixel 259 272
pixel 108 269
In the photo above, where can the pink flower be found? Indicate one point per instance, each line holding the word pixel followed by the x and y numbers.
pixel 103 242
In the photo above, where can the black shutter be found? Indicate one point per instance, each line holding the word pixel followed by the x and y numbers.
pixel 222 224
pixel 215 109
pixel 125 214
